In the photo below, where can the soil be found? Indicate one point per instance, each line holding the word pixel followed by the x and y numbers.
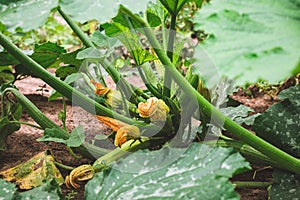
pixel 22 144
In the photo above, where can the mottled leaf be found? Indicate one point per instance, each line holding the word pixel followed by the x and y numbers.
pixel 239 114
pixel 25 14
pixel 280 124
pixel 49 190
pixel 101 10
pixel 34 172
pixel 251 40
pixel 7 190
pixel 286 186
pixel 199 171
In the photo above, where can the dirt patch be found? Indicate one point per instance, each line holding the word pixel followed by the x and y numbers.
pixel 22 145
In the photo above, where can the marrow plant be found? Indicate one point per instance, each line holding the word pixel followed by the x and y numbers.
pixel 143 120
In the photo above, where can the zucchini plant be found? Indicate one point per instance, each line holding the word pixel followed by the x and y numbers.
pixel 160 116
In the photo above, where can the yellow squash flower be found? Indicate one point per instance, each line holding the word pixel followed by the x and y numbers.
pixel 155 109
pixel 126 133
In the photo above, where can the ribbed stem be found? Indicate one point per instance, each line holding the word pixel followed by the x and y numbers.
pixel 285 160
pixel 86 149
pixel 77 98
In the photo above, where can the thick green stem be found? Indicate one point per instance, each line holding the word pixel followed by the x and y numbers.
pixel 83 37
pixel 172 35
pixel 127 88
pixel 86 149
pixel 285 160
pixel 247 151
pixel 77 98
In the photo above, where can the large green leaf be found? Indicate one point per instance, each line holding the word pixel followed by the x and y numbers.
pixel 101 10
pixel 30 14
pixel 200 171
pixel 7 190
pixel 280 124
pixel 285 186
pixel 251 39
pixel 26 14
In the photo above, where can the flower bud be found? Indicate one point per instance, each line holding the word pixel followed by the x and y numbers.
pixel 113 97
pixel 79 175
pixel 126 133
pixel 155 109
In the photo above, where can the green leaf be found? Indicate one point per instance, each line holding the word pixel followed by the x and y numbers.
pixel 90 53
pixel 197 170
pixel 6 129
pixel 101 10
pixel 25 14
pixel 101 40
pixel 7 190
pixel 6 77
pixel 49 190
pixel 121 28
pixel 171 7
pixel 280 124
pixel 156 14
pixel 53 135
pixel 70 58
pixel 198 3
pixel 75 139
pixel 7 59
pixel 239 114
pixel 292 94
pixel 285 186
pixel 64 71
pixel 251 40
pixel 47 54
